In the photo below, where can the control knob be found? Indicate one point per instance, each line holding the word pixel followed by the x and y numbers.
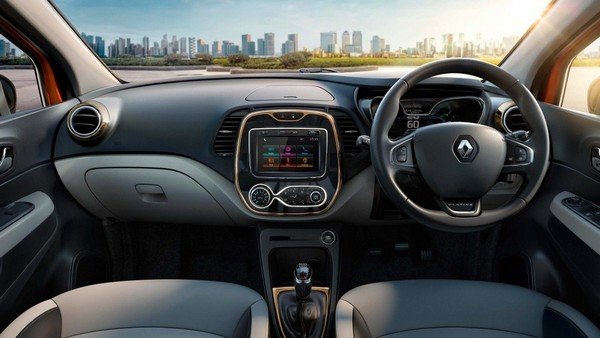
pixel 260 196
pixel 316 197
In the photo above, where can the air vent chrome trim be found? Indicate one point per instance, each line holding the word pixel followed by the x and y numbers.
pixel 507 113
pixel 95 109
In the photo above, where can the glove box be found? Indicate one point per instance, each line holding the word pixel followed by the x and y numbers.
pixel 153 195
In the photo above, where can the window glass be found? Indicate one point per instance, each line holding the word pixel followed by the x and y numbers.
pixel 582 90
pixel 17 67
pixel 143 40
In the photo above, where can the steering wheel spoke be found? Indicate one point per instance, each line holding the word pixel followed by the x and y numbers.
pixel 402 156
pixel 519 158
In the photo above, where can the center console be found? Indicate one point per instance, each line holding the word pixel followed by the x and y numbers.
pixel 288 162
pixel 300 269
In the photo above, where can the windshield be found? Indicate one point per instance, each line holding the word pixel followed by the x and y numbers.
pixel 148 39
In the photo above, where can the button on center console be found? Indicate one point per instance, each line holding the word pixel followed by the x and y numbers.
pixel 302 196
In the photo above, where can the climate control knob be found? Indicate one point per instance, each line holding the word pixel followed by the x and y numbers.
pixel 260 196
pixel 316 197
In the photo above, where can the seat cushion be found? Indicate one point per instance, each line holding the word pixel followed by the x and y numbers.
pixel 147 308
pixel 453 308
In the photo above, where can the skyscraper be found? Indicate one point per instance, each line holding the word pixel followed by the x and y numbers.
pixel 291 45
pixel 246 39
pixel 203 47
pixel 261 47
pixel 192 51
pixel 346 42
pixel 448 40
pixel 216 48
pixel 146 44
pixel 229 48
pixel 251 48
pixel 89 39
pixel 377 44
pixel 357 42
pixel 270 44
pixel 99 47
pixel 4 48
pixel 164 45
pixel 329 41
pixel 183 46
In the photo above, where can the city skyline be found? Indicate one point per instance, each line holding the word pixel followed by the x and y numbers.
pixel 400 21
pixel 450 45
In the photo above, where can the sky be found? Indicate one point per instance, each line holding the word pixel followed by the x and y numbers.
pixel 400 22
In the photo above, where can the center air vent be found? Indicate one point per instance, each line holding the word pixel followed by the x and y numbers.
pixel 87 121
pixel 349 132
pixel 513 120
pixel 224 143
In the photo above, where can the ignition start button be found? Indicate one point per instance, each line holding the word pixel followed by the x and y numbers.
pixel 328 237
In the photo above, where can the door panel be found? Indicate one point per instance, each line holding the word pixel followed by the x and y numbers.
pixel 30 254
pixel 560 263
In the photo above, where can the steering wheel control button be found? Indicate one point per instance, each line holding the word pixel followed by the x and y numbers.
pixel 520 154
pixel 465 148
pixel 316 197
pixel 260 197
pixel 401 154
pixel 328 237
pixel 596 158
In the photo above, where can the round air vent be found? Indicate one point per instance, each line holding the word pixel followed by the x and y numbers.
pixel 87 121
pixel 512 120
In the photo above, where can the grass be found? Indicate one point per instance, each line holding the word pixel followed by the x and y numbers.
pixel 275 63
pixel 318 62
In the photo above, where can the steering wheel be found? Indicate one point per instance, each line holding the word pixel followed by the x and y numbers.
pixel 459 161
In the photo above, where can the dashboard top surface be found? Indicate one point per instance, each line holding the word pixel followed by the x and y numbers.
pixel 183 116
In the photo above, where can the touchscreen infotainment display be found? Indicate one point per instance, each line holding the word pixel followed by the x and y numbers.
pixel 288 154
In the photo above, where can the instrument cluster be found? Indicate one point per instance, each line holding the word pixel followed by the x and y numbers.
pixel 421 112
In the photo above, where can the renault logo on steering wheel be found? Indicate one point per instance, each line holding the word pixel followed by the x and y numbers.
pixel 465 148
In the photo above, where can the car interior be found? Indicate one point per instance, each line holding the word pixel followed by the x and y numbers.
pixel 454 199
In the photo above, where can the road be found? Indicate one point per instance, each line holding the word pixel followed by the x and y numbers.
pixel 27 92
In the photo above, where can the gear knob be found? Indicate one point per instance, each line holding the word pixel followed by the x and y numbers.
pixel 303 281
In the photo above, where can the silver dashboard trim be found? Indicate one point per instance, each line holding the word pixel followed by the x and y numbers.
pixel 275 196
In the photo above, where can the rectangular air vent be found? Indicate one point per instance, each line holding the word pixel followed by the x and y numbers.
pixel 224 142
pixel 349 132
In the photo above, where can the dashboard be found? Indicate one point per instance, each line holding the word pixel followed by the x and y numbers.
pixel 250 149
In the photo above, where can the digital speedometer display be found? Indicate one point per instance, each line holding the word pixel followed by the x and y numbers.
pixel 413 108
pixel 417 107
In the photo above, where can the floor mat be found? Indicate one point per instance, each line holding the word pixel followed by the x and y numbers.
pixel 150 251
pixel 375 254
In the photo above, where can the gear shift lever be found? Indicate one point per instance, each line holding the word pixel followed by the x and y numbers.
pixel 302 281
pixel 303 311
pixel 303 286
